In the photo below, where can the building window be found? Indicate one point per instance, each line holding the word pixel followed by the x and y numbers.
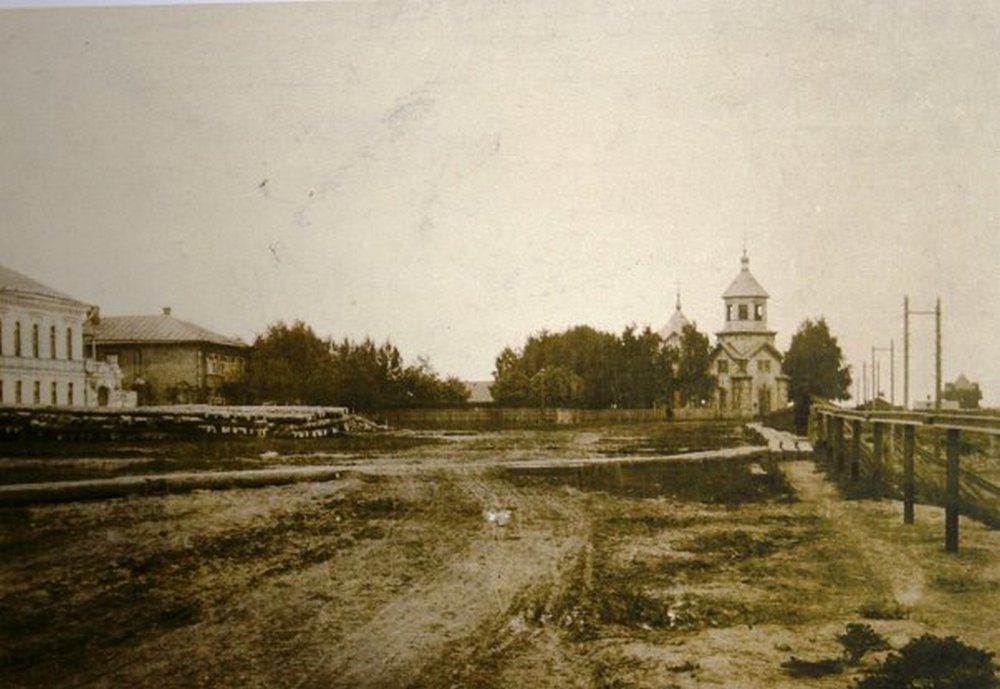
pixel 729 312
pixel 743 312
pixel 764 365
pixel 723 366
pixel 18 393
pixel 69 394
pixel 742 366
pixel 758 312
pixel 17 338
pixel 54 397
pixel 1 392
pixel 1 338
pixel 34 341
pixel 37 392
pixel 52 342
pixel 69 343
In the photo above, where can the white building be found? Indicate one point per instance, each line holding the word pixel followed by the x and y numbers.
pixel 42 360
pixel 745 360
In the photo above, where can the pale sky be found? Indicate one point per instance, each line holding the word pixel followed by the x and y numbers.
pixel 454 176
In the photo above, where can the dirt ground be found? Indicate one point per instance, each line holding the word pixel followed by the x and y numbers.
pixel 674 573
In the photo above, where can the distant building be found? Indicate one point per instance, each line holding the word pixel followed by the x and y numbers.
pixel 671 332
pixel 42 358
pixel 166 360
pixel 963 391
pixel 745 361
pixel 479 391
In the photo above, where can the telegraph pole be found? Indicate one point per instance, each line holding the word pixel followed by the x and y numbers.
pixel 864 381
pixel 906 350
pixel 937 355
pixel 877 371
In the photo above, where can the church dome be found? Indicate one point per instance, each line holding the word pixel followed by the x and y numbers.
pixel 675 326
pixel 745 284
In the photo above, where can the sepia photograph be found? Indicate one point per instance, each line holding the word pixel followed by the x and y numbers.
pixel 461 344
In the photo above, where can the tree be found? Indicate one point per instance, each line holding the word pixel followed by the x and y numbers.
pixel 289 364
pixel 814 364
pixel 695 383
pixel 644 369
pixel 292 365
pixel 584 367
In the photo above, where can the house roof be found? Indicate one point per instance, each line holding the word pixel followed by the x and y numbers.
pixel 162 329
pixel 963 383
pixel 15 282
pixel 479 391
pixel 745 284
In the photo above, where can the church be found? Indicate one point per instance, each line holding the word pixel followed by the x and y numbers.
pixel 745 361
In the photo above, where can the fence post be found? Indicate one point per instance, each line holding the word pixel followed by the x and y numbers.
pixel 855 449
pixel 831 439
pixel 951 498
pixel 909 440
pixel 841 447
pixel 877 442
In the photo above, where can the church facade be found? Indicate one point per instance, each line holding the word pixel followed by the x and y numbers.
pixel 745 361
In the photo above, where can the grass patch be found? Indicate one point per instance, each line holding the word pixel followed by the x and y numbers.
pixel 799 667
pixel 882 610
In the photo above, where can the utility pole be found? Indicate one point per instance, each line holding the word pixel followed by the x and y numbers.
pixel 906 350
pixel 876 366
pixel 864 381
pixel 892 373
pixel 937 355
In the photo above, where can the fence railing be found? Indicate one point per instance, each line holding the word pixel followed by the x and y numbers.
pixel 902 450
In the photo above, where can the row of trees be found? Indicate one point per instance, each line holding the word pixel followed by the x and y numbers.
pixel 291 364
pixel 580 367
pixel 585 367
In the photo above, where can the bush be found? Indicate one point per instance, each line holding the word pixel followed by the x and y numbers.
pixel 858 640
pixel 930 662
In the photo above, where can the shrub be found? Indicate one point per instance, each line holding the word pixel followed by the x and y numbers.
pixel 930 662
pixel 858 640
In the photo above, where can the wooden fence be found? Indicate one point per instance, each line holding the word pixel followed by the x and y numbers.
pixel 531 417
pixel 902 450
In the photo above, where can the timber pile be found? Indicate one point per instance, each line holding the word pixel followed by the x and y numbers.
pixel 187 421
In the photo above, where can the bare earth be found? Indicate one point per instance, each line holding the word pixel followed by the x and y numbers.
pixel 674 573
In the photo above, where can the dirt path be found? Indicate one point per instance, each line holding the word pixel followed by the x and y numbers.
pixel 474 589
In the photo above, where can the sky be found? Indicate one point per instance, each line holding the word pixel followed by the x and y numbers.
pixel 454 176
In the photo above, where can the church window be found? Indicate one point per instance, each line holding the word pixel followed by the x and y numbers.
pixel 743 312
pixel 758 312
pixel 723 366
